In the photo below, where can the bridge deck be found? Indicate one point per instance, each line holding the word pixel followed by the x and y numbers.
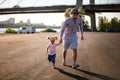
pixel 60 8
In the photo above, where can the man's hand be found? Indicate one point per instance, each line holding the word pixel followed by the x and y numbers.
pixel 82 38
pixel 60 41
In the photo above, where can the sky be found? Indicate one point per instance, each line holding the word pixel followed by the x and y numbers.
pixel 50 18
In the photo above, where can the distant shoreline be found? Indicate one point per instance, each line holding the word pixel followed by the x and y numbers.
pixel 2 30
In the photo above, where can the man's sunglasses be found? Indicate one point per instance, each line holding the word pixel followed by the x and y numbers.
pixel 74 13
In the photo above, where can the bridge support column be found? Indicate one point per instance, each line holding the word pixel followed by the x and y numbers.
pixel 79 3
pixel 93 22
pixel 92 1
pixel 92 15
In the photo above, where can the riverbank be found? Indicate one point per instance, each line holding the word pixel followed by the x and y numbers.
pixel 2 30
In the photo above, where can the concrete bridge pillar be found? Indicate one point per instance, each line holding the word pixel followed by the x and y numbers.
pixel 93 22
pixel 92 15
pixel 79 3
pixel 92 2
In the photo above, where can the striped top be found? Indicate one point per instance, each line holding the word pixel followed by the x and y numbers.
pixel 70 28
pixel 51 49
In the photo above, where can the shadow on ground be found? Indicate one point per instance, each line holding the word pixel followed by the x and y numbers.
pixel 77 77
pixel 101 76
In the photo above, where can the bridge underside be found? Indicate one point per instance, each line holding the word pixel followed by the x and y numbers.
pixel 102 8
pixel 46 9
pixel 61 8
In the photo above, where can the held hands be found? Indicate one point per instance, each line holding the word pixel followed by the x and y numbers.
pixel 60 41
pixel 46 52
pixel 82 38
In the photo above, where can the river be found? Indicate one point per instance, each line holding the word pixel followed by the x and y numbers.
pixel 2 30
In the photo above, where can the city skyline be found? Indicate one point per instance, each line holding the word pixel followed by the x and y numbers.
pixel 28 22
pixel 12 20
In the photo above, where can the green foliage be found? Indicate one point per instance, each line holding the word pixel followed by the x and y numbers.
pixel 86 26
pixel 9 30
pixel 67 12
pixel 103 24
pixel 81 11
pixel 111 26
pixel 115 22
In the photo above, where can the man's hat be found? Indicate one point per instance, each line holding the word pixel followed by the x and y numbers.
pixel 74 10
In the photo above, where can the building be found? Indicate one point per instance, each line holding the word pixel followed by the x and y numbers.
pixel 9 21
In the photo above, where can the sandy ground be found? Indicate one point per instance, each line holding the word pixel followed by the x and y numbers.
pixel 24 57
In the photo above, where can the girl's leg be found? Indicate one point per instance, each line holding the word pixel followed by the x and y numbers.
pixel 53 65
pixel 53 61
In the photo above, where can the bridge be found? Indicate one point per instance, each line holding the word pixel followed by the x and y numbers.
pixel 61 8
pixel 45 9
pixel 89 9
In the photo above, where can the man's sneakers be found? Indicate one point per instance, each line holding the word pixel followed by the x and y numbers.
pixel 63 63
pixel 75 65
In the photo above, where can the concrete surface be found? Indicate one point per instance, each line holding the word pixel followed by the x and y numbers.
pixel 24 57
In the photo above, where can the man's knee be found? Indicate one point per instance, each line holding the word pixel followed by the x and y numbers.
pixel 74 49
pixel 64 51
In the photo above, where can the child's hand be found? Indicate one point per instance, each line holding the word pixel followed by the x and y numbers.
pixel 60 41
pixel 82 38
pixel 58 44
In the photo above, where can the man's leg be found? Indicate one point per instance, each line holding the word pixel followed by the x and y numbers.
pixel 74 58
pixel 74 55
pixel 66 44
pixel 74 49
pixel 64 57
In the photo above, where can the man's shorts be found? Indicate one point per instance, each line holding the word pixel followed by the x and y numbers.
pixel 71 42
pixel 51 58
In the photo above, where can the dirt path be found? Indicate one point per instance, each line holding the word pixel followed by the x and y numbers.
pixel 23 57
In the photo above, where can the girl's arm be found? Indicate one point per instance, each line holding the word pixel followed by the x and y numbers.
pixel 57 44
pixel 47 49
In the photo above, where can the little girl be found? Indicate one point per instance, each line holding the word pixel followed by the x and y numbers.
pixel 51 50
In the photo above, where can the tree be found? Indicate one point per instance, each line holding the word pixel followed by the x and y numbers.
pixel 110 26
pixel 116 23
pixel 103 24
pixel 81 11
pixel 67 12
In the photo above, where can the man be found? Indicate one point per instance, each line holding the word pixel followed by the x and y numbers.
pixel 69 37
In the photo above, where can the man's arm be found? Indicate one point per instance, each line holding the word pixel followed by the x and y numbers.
pixel 62 31
pixel 81 29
